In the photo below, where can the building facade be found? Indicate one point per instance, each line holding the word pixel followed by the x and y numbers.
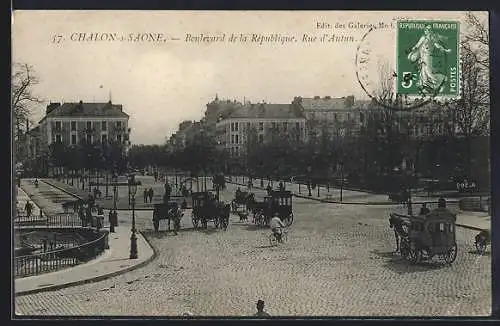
pixel 72 124
pixel 259 124
pixel 327 117
pixel 92 123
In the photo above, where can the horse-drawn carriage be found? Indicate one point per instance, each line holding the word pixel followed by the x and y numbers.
pixel 399 196
pixel 206 208
pixel 241 201
pixel 278 203
pixel 170 211
pixel 426 236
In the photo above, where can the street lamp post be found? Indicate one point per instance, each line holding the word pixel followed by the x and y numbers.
pixel 115 190
pixel 133 238
pixel 341 133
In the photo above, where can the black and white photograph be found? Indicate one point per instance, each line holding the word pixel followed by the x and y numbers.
pixel 257 164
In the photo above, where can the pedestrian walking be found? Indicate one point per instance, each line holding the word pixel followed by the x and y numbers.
pixel 81 214
pixel 151 194
pixel 260 310
pixel 113 220
pixel 28 208
pixel 145 195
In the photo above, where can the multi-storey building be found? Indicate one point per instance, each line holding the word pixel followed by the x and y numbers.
pixel 259 123
pixel 327 116
pixel 83 123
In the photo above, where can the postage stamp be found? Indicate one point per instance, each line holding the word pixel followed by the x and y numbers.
pixel 428 58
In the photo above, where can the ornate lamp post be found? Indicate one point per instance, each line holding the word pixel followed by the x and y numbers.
pixel 132 185
pixel 341 134
pixel 115 190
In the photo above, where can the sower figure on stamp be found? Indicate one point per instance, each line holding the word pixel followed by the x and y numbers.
pixel 422 53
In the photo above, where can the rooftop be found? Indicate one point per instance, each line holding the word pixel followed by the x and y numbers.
pixel 80 109
pixel 266 111
pixel 326 103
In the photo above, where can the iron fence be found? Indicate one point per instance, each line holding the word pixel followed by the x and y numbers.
pixel 29 265
pixel 53 220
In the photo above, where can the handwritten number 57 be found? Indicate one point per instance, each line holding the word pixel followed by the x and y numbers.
pixel 57 39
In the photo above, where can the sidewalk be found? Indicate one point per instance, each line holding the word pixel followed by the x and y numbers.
pixel 474 220
pixel 112 262
pixel 332 195
pixel 466 219
pixel 21 199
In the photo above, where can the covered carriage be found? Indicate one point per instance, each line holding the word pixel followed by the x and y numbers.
pixel 278 203
pixel 430 235
pixel 206 208
pixel 241 201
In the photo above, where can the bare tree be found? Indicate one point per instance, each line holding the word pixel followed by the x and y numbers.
pixel 477 37
pixel 472 110
pixel 385 92
pixel 22 98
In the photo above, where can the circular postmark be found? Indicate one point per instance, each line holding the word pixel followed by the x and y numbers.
pixel 381 77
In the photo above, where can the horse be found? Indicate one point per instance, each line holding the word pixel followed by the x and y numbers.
pixel 224 211
pixel 169 211
pixel 400 229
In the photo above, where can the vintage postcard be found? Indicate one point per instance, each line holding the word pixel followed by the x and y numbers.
pixel 251 163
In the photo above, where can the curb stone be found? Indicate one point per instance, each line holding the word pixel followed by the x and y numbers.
pixel 97 278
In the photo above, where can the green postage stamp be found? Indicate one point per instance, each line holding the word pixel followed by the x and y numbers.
pixel 428 59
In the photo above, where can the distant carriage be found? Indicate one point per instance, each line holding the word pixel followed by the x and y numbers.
pixel 241 201
pixel 170 211
pixel 279 203
pixel 206 208
pixel 428 236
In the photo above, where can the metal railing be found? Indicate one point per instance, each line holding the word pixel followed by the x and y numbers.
pixel 53 220
pixel 51 261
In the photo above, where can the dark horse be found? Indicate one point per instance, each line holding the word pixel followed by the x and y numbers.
pixel 400 229
pixel 224 211
pixel 168 211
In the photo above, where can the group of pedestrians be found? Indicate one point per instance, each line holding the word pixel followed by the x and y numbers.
pixel 148 195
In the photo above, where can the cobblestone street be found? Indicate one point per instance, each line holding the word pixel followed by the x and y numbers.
pixel 338 262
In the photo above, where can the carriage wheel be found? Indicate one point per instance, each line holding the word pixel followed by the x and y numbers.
pixel 414 255
pixel 451 255
pixel 284 237
pixel 289 219
pixel 272 240
pixel 481 246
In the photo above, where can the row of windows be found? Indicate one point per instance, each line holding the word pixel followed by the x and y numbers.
pixel 88 138
pixel 89 124
pixel 275 125
pixel 235 139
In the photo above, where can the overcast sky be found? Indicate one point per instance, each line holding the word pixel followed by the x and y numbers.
pixel 161 84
